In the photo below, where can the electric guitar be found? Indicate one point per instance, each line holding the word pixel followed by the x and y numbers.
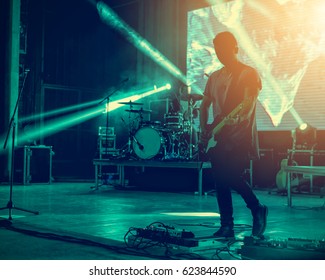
pixel 209 140
pixel 281 179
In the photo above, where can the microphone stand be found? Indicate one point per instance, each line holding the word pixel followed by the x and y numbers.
pixel 12 126
pixel 107 122
pixel 107 109
pixel 115 90
pixel 105 139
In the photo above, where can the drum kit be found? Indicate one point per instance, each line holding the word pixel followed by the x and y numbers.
pixel 173 139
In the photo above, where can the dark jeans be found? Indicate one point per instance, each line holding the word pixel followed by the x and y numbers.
pixel 228 167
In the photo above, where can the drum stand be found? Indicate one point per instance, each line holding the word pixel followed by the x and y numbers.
pixel 129 149
pixel 132 139
pixel 173 154
pixel 190 109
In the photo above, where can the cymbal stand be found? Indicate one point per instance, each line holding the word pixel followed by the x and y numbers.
pixel 130 139
pixel 190 109
pixel 132 134
pixel 141 120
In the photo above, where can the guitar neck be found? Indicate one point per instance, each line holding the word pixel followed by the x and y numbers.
pixel 219 126
pixel 222 123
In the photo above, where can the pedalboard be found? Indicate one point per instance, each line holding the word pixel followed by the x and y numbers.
pixel 168 235
pixel 282 249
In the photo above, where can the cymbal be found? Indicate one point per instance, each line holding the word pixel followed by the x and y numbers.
pixel 194 97
pixel 130 103
pixel 141 111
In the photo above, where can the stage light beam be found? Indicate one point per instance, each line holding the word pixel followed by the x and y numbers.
pixel 115 104
pixel 113 20
pixel 57 112
pixel 63 122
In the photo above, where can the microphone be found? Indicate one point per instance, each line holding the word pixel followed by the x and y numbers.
pixel 141 147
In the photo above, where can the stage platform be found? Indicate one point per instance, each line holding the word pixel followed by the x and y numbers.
pixel 76 222
pixel 305 170
pixel 197 166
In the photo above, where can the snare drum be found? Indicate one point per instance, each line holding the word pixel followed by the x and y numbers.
pixel 149 142
pixel 156 124
pixel 174 120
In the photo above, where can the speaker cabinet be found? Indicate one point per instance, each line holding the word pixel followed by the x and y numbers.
pixel 264 170
pixel 33 164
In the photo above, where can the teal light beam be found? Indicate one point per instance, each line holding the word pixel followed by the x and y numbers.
pixel 58 124
pixel 58 111
pixel 113 20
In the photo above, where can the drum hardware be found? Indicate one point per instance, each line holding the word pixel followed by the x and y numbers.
pixel 174 120
pixel 191 97
pixel 190 110
pixel 150 143
pixel 132 139
pixel 156 124
pixel 130 103
pixel 173 154
pixel 141 111
pixel 188 126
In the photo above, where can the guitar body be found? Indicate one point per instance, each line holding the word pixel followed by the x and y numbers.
pixel 210 141
pixel 281 177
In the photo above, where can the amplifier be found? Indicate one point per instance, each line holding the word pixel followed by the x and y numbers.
pixel 106 144
pixel 106 131
pixel 33 164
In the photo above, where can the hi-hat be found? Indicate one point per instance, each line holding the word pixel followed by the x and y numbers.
pixel 139 111
pixel 194 97
pixel 130 103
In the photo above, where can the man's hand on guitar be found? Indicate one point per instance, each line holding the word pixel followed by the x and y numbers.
pixel 232 121
pixel 204 137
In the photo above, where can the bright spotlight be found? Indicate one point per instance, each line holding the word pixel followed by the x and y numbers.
pixel 168 86
pixel 303 126
pixel 305 136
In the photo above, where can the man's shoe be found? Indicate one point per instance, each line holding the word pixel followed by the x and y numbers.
pixel 224 231
pixel 259 220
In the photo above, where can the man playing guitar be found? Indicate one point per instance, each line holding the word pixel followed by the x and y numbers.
pixel 231 140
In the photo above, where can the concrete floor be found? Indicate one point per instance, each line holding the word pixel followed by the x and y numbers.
pixel 76 222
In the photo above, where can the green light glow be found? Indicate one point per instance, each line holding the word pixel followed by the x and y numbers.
pixel 192 214
pixel 113 20
pixel 115 104
pixel 63 122
pixel 55 126
pixel 58 111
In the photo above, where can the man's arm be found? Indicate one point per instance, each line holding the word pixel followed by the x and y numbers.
pixel 204 112
pixel 250 97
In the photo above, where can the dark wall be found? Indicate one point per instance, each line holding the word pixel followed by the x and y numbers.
pixel 3 38
pixel 4 17
pixel 71 49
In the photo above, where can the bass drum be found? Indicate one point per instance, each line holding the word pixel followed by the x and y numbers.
pixel 149 143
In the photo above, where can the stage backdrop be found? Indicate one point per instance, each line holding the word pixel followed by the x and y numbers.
pixel 283 40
